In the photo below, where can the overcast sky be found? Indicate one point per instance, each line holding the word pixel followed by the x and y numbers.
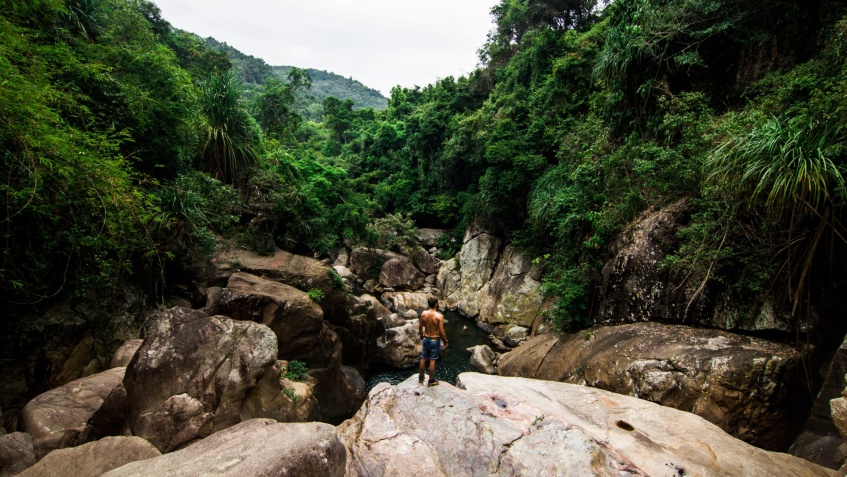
pixel 381 43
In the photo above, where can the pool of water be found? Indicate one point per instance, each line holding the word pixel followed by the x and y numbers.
pixel 462 334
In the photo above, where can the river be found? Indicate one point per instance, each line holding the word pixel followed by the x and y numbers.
pixel 461 332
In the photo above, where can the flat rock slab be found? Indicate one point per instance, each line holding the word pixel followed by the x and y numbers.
pixel 659 440
pixel 93 459
pixel 258 447
pixel 407 430
pixel 54 419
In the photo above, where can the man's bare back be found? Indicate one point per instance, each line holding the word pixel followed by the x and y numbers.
pixel 432 325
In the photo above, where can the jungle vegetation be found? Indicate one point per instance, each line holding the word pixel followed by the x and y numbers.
pixel 128 147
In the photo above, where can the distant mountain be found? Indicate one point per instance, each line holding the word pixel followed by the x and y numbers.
pixel 255 71
pixel 326 84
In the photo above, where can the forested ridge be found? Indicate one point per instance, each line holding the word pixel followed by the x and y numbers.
pixel 254 72
pixel 129 148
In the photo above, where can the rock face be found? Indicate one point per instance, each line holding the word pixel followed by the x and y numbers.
pixel 56 418
pixel 747 386
pixel 254 447
pixel 400 347
pixel 93 459
pixel 634 286
pixel 820 439
pixel 190 376
pixel 444 431
pixel 492 282
pixel 270 398
pixel 657 439
pixel 16 453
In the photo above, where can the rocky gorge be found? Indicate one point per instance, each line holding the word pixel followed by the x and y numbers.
pixel 207 391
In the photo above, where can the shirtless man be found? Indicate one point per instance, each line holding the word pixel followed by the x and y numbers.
pixel 431 327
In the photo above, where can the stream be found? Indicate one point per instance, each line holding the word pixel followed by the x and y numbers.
pixel 461 332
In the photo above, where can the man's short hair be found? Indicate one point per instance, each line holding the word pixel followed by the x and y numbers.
pixel 433 302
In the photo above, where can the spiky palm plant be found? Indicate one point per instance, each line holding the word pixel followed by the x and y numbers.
pixel 231 134
pixel 791 171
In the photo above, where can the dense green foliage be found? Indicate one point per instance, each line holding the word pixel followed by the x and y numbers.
pixel 128 147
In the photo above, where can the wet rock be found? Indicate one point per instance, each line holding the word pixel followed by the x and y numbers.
pixel 56 418
pixel 749 387
pixel 93 459
pixel 254 447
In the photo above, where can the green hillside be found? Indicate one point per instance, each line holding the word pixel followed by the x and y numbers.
pixel 254 71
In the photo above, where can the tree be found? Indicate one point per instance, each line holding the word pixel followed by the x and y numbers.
pixel 231 137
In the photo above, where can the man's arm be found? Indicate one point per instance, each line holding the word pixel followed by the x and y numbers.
pixel 441 331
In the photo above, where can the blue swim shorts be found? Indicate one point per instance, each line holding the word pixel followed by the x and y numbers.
pixel 430 348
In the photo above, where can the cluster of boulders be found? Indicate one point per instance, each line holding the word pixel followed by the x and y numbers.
pixel 195 381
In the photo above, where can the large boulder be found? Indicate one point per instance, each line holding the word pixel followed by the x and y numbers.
pixel 56 418
pixel 123 355
pixel 302 334
pixel 749 387
pixel 425 262
pixel 444 431
pixel 658 440
pixel 400 274
pixel 400 347
pixel 476 263
pixel 254 447
pixel 278 398
pixel 366 263
pixel 429 237
pixel 93 459
pixel 16 453
pixel 482 359
pixel 402 302
pixel 296 320
pixel 191 374
pixel 820 439
pixel 303 273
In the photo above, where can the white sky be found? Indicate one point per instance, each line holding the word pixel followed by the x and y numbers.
pixel 381 43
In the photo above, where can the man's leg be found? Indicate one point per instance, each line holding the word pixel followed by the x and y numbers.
pixel 421 372
pixel 432 370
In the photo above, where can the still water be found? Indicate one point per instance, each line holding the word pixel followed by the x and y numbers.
pixel 462 334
